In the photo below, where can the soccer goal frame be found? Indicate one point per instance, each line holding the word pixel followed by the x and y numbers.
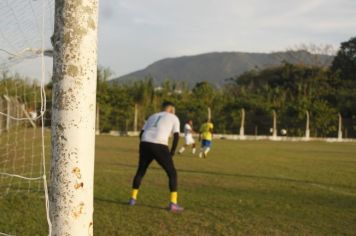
pixel 73 116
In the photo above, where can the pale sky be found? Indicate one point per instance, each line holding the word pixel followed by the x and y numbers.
pixel 135 33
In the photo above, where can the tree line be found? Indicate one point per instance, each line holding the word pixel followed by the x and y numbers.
pixel 289 89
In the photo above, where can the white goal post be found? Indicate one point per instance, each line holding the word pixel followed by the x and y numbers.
pixel 73 116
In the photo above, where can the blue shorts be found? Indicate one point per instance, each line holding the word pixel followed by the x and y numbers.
pixel 206 143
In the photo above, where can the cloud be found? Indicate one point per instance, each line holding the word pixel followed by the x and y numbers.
pixel 135 33
pixel 144 31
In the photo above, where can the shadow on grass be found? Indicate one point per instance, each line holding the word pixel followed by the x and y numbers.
pixel 297 181
pixel 125 203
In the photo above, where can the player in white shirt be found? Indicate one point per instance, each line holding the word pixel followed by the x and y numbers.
pixel 188 137
pixel 154 146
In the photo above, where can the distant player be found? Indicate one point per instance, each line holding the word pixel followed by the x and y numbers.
pixel 154 146
pixel 188 137
pixel 206 137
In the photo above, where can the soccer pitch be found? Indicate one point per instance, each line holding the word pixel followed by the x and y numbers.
pixel 243 188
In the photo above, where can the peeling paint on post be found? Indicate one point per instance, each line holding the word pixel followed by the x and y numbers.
pixel 73 116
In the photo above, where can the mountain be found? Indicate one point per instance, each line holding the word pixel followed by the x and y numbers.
pixel 218 66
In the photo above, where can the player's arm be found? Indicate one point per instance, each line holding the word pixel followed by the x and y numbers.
pixel 175 131
pixel 192 130
pixel 141 133
pixel 174 143
pixel 143 128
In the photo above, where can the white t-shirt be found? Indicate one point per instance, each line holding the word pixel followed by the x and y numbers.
pixel 159 127
pixel 188 134
pixel 187 130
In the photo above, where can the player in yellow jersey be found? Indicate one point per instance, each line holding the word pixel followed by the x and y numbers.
pixel 206 137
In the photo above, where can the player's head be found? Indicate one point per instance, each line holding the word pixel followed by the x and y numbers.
pixel 190 121
pixel 168 106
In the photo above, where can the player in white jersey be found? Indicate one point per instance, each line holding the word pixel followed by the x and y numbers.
pixel 154 146
pixel 188 137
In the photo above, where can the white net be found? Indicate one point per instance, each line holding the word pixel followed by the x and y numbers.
pixel 20 135
pixel 25 30
pixel 21 30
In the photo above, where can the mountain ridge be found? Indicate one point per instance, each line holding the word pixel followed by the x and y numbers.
pixel 216 67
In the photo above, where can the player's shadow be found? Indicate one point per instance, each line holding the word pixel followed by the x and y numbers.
pixel 125 203
pixel 284 179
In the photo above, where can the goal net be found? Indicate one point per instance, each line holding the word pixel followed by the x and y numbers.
pixel 25 30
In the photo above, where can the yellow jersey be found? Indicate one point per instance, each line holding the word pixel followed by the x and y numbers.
pixel 205 130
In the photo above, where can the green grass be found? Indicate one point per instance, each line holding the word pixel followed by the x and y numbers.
pixel 244 188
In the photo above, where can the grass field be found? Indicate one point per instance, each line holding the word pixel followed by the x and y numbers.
pixel 244 188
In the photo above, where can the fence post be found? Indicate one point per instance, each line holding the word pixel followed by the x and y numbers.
pixel 242 124
pixel 307 125
pixel 28 115
pixel 18 110
pixel 274 131
pixel 209 114
pixel 135 117
pixel 339 134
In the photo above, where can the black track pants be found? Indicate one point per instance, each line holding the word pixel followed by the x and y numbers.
pixel 160 153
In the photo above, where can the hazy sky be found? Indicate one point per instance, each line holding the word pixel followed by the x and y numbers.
pixel 135 33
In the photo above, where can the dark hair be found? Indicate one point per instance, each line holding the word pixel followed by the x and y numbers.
pixel 166 104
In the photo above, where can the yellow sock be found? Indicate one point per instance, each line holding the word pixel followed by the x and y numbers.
pixel 174 196
pixel 134 193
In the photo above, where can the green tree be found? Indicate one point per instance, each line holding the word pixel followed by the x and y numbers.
pixel 344 63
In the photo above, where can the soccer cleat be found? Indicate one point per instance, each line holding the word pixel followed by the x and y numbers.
pixel 175 208
pixel 132 202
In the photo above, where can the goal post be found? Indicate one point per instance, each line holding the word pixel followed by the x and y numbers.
pixel 73 116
